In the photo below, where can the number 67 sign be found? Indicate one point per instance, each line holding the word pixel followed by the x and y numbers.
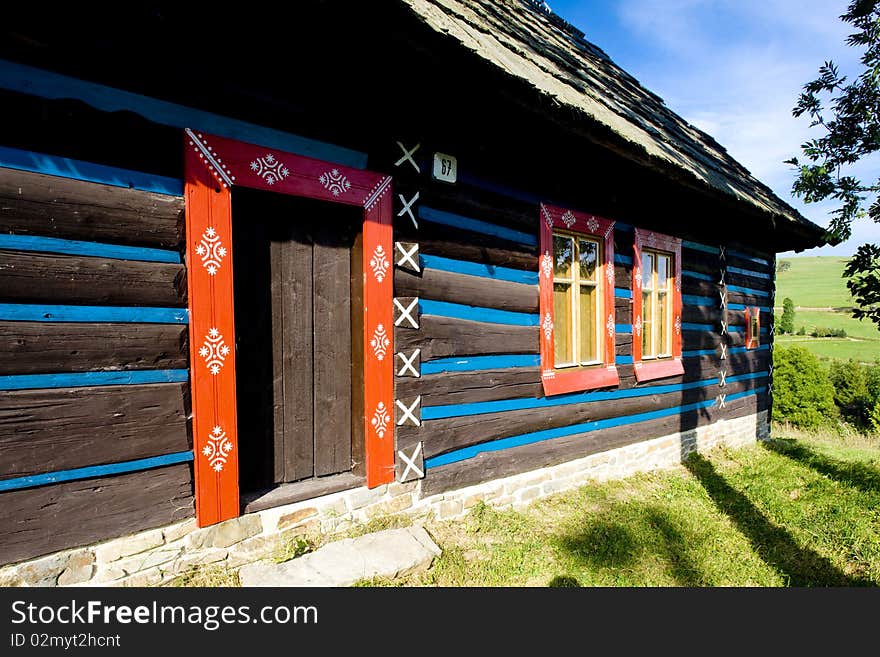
pixel 445 168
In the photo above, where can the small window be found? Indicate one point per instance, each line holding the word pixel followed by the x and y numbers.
pixel 753 327
pixel 577 303
pixel 576 274
pixel 656 305
pixel 656 284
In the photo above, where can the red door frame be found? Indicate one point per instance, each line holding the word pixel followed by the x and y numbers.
pixel 213 166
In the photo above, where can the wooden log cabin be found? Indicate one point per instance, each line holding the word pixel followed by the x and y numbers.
pixel 409 246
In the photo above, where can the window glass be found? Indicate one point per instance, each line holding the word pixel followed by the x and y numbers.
pixel 587 324
pixel 562 322
pixel 657 272
pixel 563 256
pixel 589 259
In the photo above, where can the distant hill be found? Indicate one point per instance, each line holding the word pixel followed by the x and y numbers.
pixel 814 282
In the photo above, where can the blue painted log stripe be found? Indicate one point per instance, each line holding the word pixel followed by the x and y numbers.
pixel 585 427
pixel 26 312
pixel 95 471
pixel 746 256
pixel 477 313
pixel 621 259
pixel 740 306
pixel 479 269
pixel 698 275
pixel 748 290
pixel 498 188
pixel 623 360
pixel 742 329
pixel 91 249
pixel 742 350
pixel 37 82
pixel 749 272
pixel 526 403
pixel 623 328
pixel 89 379
pixel 12 158
pixel 695 246
pixel 689 326
pixel 476 363
pixel 694 300
pixel 475 226
pixel 699 352
pixel 622 293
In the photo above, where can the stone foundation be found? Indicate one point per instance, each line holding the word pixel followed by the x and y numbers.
pixel 157 556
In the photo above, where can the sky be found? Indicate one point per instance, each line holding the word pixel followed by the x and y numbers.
pixel 733 68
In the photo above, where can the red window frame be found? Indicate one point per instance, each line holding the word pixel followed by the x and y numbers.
pixel 556 382
pixel 753 341
pixel 656 369
pixel 213 165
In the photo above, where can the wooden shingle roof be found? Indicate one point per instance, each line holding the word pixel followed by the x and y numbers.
pixel 552 57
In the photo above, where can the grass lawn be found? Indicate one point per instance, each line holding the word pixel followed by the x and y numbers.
pixel 801 510
pixel 814 282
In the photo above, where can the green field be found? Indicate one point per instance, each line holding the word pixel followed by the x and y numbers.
pixel 817 283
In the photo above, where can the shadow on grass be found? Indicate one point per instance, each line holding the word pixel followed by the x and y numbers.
pixel 856 475
pixel 774 545
pixel 618 545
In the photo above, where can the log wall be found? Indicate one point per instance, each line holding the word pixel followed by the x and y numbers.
pixel 482 410
pixel 94 414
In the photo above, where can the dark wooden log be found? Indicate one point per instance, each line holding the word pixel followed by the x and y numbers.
pixel 698 261
pixel 701 314
pixel 470 387
pixel 471 202
pixel 63 428
pixel 622 276
pixel 525 258
pixel 701 288
pixel 744 263
pixel 709 339
pixel 468 290
pixel 747 299
pixel 440 337
pixel 47 347
pixel 701 368
pixel 440 436
pixel 433 232
pixel 299 491
pixel 749 281
pixel 738 318
pixel 38 521
pixel 37 204
pixel 64 279
pixel 623 314
pixel 493 465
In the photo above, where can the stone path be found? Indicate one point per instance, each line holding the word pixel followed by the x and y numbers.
pixel 389 553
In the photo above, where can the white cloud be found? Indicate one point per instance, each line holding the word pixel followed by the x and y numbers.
pixel 735 69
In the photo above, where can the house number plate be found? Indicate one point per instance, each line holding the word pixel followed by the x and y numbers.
pixel 445 168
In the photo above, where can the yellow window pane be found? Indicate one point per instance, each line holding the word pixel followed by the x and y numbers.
pixel 562 323
pixel 563 256
pixel 754 329
pixel 588 321
pixel 663 272
pixel 661 331
pixel 588 255
pixel 647 271
pixel 647 325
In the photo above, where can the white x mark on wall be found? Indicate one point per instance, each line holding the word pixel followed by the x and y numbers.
pixel 408 412
pixel 722 378
pixel 408 363
pixel 723 351
pixel 411 256
pixel 410 463
pixel 721 400
pixel 405 312
pixel 408 156
pixel 407 207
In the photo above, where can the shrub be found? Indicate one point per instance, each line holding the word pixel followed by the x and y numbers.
pixel 802 330
pixel 802 393
pixel 850 381
pixel 786 323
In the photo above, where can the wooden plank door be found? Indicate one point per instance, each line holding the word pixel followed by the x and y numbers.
pixel 294 326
